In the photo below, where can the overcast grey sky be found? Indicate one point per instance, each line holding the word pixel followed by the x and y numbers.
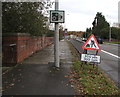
pixel 79 14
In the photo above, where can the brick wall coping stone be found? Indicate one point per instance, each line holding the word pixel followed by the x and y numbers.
pixel 15 34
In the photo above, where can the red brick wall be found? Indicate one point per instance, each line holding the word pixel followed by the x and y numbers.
pixel 17 48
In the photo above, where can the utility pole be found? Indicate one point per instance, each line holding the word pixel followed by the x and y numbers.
pixel 119 14
pixel 110 34
pixel 56 43
pixel 109 28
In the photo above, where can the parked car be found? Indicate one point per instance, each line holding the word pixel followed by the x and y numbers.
pixel 99 39
pixel 84 39
pixel 79 38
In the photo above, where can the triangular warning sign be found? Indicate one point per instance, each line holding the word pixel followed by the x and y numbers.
pixel 91 43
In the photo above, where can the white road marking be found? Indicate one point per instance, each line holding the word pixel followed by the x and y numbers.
pixel 111 54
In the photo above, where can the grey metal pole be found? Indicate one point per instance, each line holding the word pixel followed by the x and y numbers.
pixel 110 34
pixel 56 38
pixel 110 30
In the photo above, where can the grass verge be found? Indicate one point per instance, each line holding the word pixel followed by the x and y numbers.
pixel 115 42
pixel 92 81
pixel 87 80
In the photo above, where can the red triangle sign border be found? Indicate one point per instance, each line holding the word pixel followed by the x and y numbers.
pixel 88 41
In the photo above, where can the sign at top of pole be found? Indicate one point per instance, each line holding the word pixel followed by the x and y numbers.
pixel 57 16
pixel 91 43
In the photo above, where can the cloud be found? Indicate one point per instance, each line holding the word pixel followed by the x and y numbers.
pixel 80 13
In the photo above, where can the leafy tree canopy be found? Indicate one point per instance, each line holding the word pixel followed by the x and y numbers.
pixel 99 24
pixel 102 28
pixel 24 17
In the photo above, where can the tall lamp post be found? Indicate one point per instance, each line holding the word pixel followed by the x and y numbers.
pixel 57 38
pixel 56 16
pixel 110 33
pixel 109 28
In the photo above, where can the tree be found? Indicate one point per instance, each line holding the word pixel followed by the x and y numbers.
pixel 24 17
pixel 105 33
pixel 61 32
pixel 99 24
pixel 87 33
pixel 115 33
pixel 50 33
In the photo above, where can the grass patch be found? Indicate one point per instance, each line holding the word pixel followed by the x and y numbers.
pixel 74 52
pixel 115 42
pixel 92 81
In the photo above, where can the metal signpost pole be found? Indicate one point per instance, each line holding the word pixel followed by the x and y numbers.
pixel 56 38
pixel 110 34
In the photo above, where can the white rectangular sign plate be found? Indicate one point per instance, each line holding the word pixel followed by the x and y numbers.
pixel 90 58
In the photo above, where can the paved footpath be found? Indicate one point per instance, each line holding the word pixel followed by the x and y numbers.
pixel 36 75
